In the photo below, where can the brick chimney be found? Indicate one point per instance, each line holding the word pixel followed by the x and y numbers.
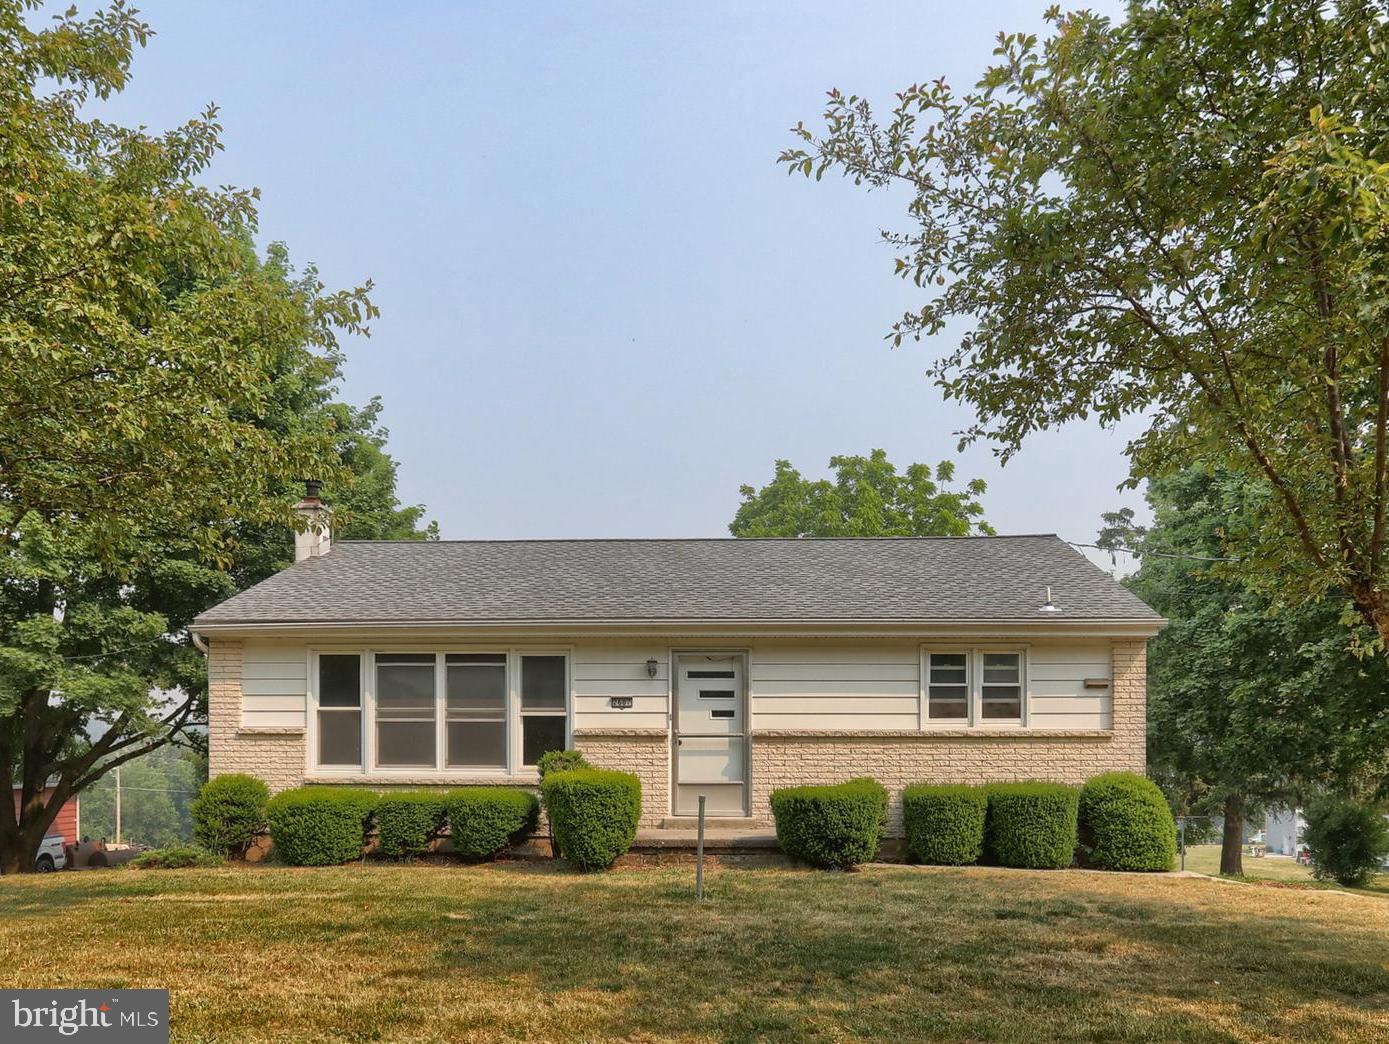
pixel 317 535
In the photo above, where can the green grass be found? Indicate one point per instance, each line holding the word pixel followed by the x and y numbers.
pixel 1205 859
pixel 532 952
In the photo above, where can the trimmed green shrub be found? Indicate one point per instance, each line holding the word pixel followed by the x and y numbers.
pixel 407 821
pixel 319 826
pixel 483 820
pixel 1347 841
pixel 1032 824
pixel 944 824
pixel 176 857
pixel 229 812
pixel 594 814
pixel 835 826
pixel 1126 824
pixel 560 761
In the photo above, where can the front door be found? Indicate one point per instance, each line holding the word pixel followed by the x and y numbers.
pixel 711 734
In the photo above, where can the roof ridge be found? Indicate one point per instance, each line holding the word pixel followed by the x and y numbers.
pixel 696 540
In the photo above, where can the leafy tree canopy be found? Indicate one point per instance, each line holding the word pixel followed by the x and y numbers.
pixel 161 389
pixel 1184 215
pixel 867 498
pixel 1251 700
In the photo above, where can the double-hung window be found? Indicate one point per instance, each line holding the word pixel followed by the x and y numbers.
pixel 340 710
pixel 388 713
pixel 405 710
pixel 970 686
pixel 543 705
pixel 476 709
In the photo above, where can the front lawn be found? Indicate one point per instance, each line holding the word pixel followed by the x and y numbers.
pixel 530 952
pixel 1205 859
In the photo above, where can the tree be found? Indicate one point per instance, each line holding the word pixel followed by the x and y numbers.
pixel 1182 215
pixel 867 498
pixel 160 387
pixel 1251 701
pixel 157 791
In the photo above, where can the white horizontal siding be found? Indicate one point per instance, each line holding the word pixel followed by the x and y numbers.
pixel 816 685
pixel 274 684
pixel 601 670
pixel 1056 686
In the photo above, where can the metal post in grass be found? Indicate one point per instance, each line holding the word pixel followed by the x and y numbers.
pixel 699 853
pixel 1181 838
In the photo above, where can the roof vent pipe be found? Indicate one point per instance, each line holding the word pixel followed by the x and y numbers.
pixel 1049 606
pixel 313 536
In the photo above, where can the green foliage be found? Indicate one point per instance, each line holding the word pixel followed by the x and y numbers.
pixel 944 824
pixel 835 827
pixel 319 826
pixel 148 351
pixel 407 821
pixel 1250 700
pixel 229 813
pixel 593 813
pixel 176 857
pixel 156 804
pixel 560 761
pixel 484 820
pixel 1032 824
pixel 1181 215
pixel 1125 824
pixel 867 498
pixel 1348 841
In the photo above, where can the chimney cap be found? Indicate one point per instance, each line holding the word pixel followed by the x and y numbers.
pixel 312 488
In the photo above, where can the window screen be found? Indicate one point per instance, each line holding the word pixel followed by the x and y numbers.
pixel 475 708
pixel 405 709
pixel 947 687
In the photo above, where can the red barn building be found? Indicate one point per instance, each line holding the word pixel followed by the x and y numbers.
pixel 67 822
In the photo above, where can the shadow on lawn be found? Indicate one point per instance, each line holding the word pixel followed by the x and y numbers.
pixel 899 953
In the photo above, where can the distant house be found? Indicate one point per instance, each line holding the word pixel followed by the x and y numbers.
pixel 1283 830
pixel 68 822
pixel 723 668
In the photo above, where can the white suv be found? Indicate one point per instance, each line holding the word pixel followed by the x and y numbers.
pixel 51 856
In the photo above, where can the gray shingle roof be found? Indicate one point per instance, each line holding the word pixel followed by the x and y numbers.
pixel 849 580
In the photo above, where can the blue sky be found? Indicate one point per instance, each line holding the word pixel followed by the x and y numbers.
pixel 604 305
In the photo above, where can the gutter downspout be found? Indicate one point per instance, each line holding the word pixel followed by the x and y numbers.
pixel 199 642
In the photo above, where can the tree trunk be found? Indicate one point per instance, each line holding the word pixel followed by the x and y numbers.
pixel 1232 840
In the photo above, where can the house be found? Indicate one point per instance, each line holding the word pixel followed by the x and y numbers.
pixel 717 667
pixel 1283 830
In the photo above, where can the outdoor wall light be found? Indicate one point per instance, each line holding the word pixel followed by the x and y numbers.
pixel 651 668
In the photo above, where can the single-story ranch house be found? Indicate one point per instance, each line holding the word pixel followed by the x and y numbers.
pixel 721 667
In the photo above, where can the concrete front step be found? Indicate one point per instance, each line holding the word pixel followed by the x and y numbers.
pixel 712 823
pixel 716 839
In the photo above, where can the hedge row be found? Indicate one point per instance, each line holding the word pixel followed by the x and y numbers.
pixel 325 825
pixel 1117 821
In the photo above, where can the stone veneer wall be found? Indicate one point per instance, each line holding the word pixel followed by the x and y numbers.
pixel 644 752
pixel 274 755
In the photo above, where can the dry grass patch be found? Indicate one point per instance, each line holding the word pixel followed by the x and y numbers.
pixel 530 952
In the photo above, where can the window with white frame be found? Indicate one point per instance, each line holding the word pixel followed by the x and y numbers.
pixel 543 706
pixel 340 709
pixel 476 709
pixel 947 686
pixel 388 712
pixel 975 686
